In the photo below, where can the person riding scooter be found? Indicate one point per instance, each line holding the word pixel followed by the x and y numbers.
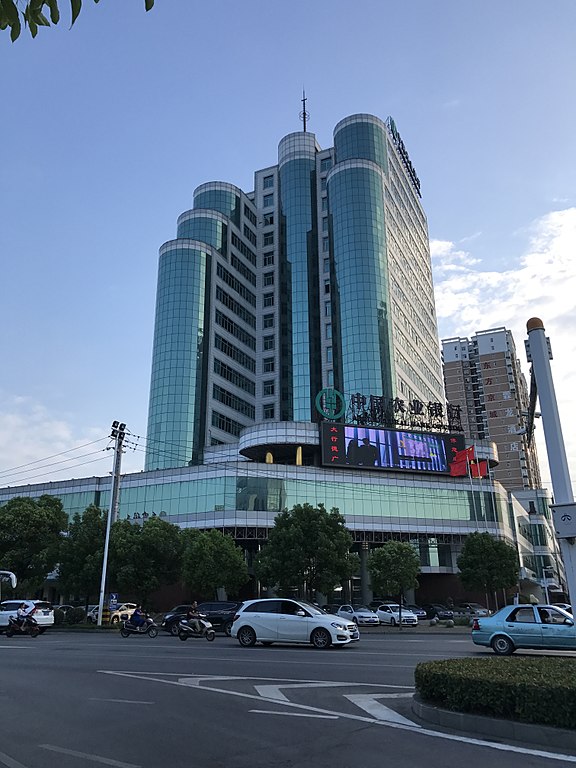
pixel 22 614
pixel 138 618
pixel 193 618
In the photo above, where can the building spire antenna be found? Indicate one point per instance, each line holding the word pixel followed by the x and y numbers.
pixel 304 116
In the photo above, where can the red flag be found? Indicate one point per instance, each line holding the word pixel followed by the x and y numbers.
pixel 479 469
pixel 466 455
pixel 459 468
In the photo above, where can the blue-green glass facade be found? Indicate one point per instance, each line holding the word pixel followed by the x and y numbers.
pixel 204 228
pixel 224 200
pixel 301 375
pixel 176 429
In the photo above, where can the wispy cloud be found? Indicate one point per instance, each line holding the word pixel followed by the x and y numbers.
pixel 542 284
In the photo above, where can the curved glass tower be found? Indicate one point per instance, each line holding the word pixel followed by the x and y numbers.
pixel 320 277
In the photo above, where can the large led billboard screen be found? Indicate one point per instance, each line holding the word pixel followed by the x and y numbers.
pixel 346 445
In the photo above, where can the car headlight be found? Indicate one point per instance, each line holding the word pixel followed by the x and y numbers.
pixel 339 627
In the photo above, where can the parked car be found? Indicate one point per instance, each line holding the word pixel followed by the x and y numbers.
pixel 92 614
pixel 361 616
pixel 63 608
pixel 417 610
pixel 43 613
pixel 276 620
pixel 389 613
pixel 438 611
pixel 564 606
pixel 471 610
pixel 526 626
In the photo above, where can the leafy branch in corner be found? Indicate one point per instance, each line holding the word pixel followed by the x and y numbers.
pixel 36 12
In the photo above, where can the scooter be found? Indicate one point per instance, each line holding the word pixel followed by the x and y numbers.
pixel 148 628
pixel 185 630
pixel 29 626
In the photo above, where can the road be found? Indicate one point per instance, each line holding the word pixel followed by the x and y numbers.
pixel 83 699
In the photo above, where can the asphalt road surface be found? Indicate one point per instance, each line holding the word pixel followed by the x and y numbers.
pixel 82 699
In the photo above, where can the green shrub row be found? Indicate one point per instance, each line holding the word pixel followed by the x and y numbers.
pixel 72 616
pixel 530 689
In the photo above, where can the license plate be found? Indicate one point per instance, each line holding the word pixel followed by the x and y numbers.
pixel 45 613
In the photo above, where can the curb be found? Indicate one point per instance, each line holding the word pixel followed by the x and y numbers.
pixel 508 730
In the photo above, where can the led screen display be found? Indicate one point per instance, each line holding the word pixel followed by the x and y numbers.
pixel 371 448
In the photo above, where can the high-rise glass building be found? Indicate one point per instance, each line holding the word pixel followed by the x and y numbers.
pixel 320 277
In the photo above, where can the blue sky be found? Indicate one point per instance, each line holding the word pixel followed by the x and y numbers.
pixel 107 129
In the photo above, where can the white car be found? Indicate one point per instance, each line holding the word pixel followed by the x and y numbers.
pixel 121 613
pixel 389 613
pixel 43 612
pixel 279 620
pixel 361 616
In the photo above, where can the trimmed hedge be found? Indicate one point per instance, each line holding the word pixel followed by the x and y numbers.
pixel 530 689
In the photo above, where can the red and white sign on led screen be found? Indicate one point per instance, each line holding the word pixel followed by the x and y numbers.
pixel 368 448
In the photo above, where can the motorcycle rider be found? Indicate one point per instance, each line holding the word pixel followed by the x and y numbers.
pixel 21 614
pixel 193 618
pixel 138 618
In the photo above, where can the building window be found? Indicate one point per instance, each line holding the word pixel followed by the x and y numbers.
pixel 268 182
pixel 250 215
pixel 268 201
pixel 268 219
pixel 323 185
pixel 330 378
pixel 268 300
pixel 268 259
pixel 268 388
pixel 325 224
pixel 268 365
pixel 326 164
pixel 269 278
pixel 249 234
pixel 268 321
pixel 324 203
pixel 326 265
pixel 268 343
pixel 326 287
pixel 268 238
pixel 328 354
pixel 268 411
pixel 328 330
pixel 327 309
pixel 325 244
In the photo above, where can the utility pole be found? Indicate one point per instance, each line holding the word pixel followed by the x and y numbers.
pixel 118 433
pixel 564 509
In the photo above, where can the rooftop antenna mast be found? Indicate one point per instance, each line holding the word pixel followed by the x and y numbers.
pixel 304 116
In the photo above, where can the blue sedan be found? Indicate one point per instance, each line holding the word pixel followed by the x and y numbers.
pixel 526 626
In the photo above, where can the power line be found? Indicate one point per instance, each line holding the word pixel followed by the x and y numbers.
pixel 24 481
pixel 55 463
pixel 53 456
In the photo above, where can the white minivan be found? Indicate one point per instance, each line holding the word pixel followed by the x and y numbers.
pixel 43 612
pixel 281 620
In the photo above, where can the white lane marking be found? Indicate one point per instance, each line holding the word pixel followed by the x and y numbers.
pixel 369 703
pixel 86 756
pixel 399 726
pixel 274 692
pixel 9 761
pixel 122 701
pixel 292 714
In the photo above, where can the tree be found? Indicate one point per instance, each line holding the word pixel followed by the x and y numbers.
pixel 487 563
pixel 32 12
pixel 393 568
pixel 143 558
pixel 308 549
pixel 212 560
pixel 30 538
pixel 81 554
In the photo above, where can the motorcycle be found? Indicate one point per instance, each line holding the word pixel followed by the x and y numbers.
pixel 185 630
pixel 29 626
pixel 148 628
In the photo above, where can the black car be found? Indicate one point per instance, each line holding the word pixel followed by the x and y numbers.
pixel 438 611
pixel 219 614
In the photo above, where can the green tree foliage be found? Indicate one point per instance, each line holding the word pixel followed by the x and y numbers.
pixel 308 549
pixel 30 538
pixel 212 560
pixel 487 563
pixel 81 553
pixel 143 558
pixel 393 568
pixel 38 13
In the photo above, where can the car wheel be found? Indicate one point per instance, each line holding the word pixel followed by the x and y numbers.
pixel 246 637
pixel 393 621
pixel 228 628
pixel 503 646
pixel 321 638
pixel 115 620
pixel 174 629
